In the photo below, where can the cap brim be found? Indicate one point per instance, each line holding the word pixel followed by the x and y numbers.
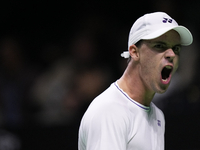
pixel 185 34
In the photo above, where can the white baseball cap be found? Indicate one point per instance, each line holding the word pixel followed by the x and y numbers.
pixel 153 25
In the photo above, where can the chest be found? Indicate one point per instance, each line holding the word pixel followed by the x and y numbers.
pixel 147 133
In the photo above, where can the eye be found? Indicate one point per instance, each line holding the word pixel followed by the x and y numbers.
pixel 177 49
pixel 160 46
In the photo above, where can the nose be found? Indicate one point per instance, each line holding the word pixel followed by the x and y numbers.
pixel 170 55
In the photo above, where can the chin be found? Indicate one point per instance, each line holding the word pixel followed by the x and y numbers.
pixel 162 90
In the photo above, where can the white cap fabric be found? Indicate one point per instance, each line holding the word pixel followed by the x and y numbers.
pixel 153 25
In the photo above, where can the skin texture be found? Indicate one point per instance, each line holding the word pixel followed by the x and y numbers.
pixel 142 77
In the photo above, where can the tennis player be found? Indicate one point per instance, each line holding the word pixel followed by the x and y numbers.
pixel 124 117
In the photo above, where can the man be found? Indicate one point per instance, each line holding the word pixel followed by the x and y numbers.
pixel 123 116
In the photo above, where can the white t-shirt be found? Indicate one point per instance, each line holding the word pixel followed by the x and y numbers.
pixel 114 121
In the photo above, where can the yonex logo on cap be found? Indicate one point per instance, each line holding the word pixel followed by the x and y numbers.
pixel 167 20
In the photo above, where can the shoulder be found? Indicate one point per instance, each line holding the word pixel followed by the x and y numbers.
pixel 104 124
pixel 111 98
pixel 156 109
pixel 157 113
pixel 110 106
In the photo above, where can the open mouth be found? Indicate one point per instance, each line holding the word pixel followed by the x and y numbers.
pixel 166 72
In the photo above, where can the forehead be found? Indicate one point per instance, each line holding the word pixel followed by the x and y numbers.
pixel 171 37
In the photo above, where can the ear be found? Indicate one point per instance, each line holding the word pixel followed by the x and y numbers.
pixel 134 53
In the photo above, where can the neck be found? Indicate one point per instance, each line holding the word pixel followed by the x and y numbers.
pixel 131 84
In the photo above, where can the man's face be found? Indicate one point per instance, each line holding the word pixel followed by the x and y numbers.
pixel 159 60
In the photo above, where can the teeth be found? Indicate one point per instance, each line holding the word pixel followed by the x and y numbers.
pixel 168 67
pixel 164 80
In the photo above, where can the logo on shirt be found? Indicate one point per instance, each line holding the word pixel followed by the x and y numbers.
pixel 159 123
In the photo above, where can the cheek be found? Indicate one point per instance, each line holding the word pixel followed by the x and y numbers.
pixel 176 64
pixel 149 68
pixel 149 63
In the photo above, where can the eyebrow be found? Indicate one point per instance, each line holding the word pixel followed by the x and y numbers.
pixel 161 42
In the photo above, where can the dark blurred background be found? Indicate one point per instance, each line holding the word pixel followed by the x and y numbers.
pixel 56 56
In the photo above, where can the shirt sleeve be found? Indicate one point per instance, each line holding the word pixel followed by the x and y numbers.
pixel 106 130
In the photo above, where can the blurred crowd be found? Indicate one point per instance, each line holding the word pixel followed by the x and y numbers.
pixel 45 91
pixel 53 91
